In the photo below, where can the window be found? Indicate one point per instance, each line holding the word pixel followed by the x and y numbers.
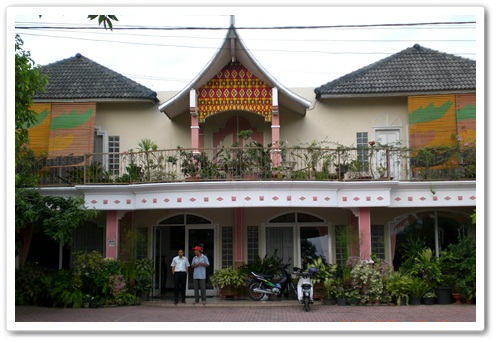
pixel 362 150
pixel 341 244
pixel 114 155
pixel 378 241
pixel 314 243
pixel 98 147
pixel 141 243
pixel 227 246
pixel 252 243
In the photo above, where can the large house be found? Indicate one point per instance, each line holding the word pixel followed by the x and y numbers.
pixel 240 164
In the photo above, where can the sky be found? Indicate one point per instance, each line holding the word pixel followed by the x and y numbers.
pixel 158 52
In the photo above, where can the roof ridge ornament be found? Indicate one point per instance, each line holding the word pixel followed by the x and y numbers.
pixel 232 38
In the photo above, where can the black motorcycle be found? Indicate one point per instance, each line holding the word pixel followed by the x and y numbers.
pixel 263 284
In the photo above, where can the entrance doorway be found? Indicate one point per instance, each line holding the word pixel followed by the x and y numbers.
pixel 182 232
pixel 205 237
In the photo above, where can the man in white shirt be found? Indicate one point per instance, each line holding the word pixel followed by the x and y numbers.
pixel 179 267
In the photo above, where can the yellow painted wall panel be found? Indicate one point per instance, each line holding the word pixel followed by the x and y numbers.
pixel 432 120
pixel 39 132
pixel 466 116
pixel 72 129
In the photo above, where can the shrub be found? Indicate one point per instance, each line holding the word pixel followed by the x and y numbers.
pixel 228 276
pixel 266 265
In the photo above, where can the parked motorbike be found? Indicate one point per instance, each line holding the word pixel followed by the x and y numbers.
pixel 305 291
pixel 263 284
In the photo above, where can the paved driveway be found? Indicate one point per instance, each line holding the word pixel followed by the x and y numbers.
pixel 267 314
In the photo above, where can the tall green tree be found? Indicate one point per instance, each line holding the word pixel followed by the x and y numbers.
pixel 28 82
pixel 55 216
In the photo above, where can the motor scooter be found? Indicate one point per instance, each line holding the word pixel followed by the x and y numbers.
pixel 305 290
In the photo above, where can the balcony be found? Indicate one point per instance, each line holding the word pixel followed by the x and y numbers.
pixel 258 163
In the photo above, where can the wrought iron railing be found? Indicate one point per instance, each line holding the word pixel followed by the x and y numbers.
pixel 258 163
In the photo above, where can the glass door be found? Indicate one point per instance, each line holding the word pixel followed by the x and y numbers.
pixel 205 236
pixel 280 239
pixel 387 137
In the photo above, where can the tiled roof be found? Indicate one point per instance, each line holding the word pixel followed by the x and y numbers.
pixel 415 70
pixel 80 78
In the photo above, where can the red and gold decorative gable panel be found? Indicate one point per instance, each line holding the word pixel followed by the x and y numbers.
pixel 234 88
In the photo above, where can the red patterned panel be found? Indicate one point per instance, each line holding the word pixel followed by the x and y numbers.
pixel 234 88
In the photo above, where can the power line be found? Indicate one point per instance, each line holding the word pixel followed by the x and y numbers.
pixel 253 49
pixel 260 38
pixel 167 28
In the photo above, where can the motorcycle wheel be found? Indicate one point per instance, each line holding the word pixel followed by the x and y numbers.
pixel 252 294
pixel 307 306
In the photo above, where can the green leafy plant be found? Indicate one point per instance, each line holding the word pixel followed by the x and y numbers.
pixel 419 287
pixel 429 295
pixel 458 265
pixel 265 265
pixel 427 267
pixel 323 270
pixel 330 288
pixel 228 276
pixel 367 279
pixel 398 285
pixel 143 277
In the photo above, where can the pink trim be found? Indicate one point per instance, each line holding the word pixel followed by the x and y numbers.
pixel 275 137
pixel 111 234
pixel 194 132
pixel 365 232
pixel 238 235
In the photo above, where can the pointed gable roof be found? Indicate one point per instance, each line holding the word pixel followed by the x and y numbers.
pixel 413 71
pixel 233 49
pixel 81 79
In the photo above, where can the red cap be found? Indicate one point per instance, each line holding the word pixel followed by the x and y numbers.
pixel 198 247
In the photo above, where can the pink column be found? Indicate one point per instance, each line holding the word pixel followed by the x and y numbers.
pixel 111 234
pixel 238 237
pixel 365 232
pixel 195 127
pixel 275 128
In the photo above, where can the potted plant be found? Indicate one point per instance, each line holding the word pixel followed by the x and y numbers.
pixel 398 286
pixel 144 272
pixel 341 293
pixel 196 165
pixel 429 298
pixel 228 280
pixel 265 265
pixel 458 265
pixel 329 290
pixel 418 288
pixel 352 295
pixel 323 271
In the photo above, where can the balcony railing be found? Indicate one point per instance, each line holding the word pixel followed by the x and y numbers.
pixel 257 163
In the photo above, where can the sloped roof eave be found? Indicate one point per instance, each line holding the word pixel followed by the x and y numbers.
pixel 392 94
pixel 98 100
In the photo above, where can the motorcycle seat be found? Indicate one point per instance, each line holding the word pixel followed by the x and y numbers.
pixel 265 276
